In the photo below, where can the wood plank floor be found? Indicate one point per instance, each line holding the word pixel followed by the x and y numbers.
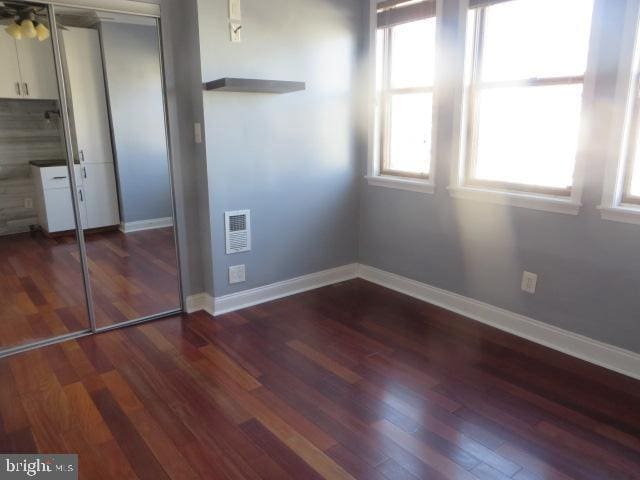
pixel 41 289
pixel 348 381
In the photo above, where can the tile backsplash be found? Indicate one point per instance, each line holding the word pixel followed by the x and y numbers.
pixel 25 135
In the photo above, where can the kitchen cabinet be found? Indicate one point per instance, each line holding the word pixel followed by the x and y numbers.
pixel 10 72
pixel 53 198
pixel 38 72
pixel 90 112
pixel 28 71
pixel 97 197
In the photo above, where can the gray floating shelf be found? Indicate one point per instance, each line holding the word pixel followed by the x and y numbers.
pixel 249 85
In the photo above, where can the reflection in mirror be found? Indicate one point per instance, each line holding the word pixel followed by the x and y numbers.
pixel 41 284
pixel 113 70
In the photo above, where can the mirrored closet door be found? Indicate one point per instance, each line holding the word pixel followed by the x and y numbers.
pixel 115 97
pixel 42 290
pixel 87 231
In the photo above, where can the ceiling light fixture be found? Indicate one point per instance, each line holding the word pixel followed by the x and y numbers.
pixel 42 31
pixel 28 29
pixel 14 31
pixel 24 21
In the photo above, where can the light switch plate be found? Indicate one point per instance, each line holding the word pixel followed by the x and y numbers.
pixel 237 274
pixel 235 29
pixel 197 132
pixel 235 10
pixel 28 203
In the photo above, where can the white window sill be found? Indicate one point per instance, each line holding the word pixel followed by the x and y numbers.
pixel 400 183
pixel 626 214
pixel 544 203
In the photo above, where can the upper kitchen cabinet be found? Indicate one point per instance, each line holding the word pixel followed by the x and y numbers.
pixel 37 69
pixel 10 80
pixel 27 70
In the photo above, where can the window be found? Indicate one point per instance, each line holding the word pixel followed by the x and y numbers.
pixel 621 190
pixel 526 62
pixel 405 71
pixel 631 173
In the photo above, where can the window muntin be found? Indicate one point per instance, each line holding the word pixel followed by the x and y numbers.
pixel 405 83
pixel 525 78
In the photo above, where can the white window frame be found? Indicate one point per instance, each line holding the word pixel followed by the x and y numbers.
pixel 397 180
pixel 625 119
pixel 509 194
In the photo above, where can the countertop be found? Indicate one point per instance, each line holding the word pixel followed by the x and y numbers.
pixel 49 163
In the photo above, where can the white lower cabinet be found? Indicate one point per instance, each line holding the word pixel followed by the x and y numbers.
pixel 97 197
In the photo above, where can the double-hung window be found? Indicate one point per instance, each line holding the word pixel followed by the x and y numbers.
pixel 631 168
pixel 621 192
pixel 525 70
pixel 405 71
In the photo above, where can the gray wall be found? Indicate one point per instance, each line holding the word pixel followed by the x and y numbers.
pixel 589 268
pixel 181 54
pixel 292 159
pixel 132 73
pixel 25 135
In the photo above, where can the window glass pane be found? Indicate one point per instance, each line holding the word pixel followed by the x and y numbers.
pixel 410 146
pixel 536 38
pixel 635 179
pixel 529 135
pixel 413 53
pixel 379 58
pixel 469 46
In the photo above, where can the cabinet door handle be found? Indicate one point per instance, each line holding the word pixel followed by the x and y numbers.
pixel 84 172
pixel 26 88
pixel 81 197
pixel 82 156
pixel 59 178
pixel 18 91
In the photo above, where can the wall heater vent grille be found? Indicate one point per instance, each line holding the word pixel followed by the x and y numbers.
pixel 238 231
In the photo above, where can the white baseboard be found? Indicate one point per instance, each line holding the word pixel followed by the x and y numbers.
pixel 579 346
pixel 200 301
pixel 255 296
pixel 129 227
pixel 584 348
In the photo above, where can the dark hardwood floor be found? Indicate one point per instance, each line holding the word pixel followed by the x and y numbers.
pixel 351 380
pixel 41 288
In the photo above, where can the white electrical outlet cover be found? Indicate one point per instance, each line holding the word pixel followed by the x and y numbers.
pixel 529 282
pixel 237 274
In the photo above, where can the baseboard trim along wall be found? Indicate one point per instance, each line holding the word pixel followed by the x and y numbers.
pixel 129 227
pixel 255 296
pixel 584 348
pixel 579 346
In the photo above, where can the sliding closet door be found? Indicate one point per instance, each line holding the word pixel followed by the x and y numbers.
pixel 114 76
pixel 42 292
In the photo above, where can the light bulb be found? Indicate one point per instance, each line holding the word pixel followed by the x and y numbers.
pixel 27 29
pixel 14 30
pixel 42 31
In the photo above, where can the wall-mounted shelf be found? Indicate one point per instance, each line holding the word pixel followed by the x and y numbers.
pixel 250 85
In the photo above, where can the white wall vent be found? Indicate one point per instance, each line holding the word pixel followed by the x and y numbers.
pixel 237 227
